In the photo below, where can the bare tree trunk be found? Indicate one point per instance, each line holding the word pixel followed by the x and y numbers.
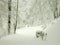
pixel 56 10
pixel 16 17
pixel 9 15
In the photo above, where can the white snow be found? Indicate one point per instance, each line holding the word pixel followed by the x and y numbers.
pixel 29 31
pixel 26 36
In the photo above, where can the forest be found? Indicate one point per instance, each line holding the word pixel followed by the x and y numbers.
pixel 15 14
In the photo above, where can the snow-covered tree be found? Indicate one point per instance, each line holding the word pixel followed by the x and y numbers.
pixel 34 12
pixel 8 16
pixel 13 14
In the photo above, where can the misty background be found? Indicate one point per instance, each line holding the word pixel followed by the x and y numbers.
pixel 28 16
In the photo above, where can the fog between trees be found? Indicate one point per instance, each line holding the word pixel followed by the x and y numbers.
pixel 19 13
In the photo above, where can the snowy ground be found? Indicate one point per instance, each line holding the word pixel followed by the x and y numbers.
pixel 29 31
pixel 26 36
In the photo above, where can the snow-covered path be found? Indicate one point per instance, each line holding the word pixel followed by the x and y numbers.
pixel 29 31
pixel 28 38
